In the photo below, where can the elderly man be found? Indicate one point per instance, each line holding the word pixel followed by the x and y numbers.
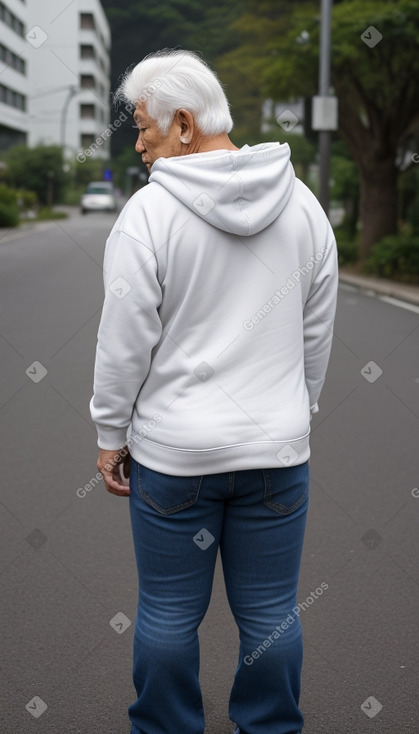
pixel 220 295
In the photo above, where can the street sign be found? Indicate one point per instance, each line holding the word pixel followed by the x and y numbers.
pixel 325 113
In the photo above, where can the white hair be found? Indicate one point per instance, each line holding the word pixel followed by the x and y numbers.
pixel 167 81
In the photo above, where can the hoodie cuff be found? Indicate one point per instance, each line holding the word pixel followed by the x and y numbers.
pixel 314 409
pixel 111 438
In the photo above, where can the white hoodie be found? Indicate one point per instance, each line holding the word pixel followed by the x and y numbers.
pixel 220 294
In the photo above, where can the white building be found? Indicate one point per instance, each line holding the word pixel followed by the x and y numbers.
pixel 14 83
pixel 55 75
pixel 69 74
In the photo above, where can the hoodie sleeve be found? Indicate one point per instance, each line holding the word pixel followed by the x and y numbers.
pixel 318 318
pixel 129 329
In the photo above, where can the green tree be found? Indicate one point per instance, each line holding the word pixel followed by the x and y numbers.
pixel 37 169
pixel 409 186
pixel 129 183
pixel 345 186
pixel 9 209
pixel 373 74
pixel 91 170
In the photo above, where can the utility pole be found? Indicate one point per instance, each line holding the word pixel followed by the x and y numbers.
pixel 72 91
pixel 325 106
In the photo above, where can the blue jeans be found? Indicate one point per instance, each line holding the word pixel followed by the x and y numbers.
pixel 257 517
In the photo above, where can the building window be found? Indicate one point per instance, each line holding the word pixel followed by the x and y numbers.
pixel 11 59
pixel 86 140
pixel 87 81
pixel 87 111
pixel 12 98
pixel 87 52
pixel 87 21
pixel 11 20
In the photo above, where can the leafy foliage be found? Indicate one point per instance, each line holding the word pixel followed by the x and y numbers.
pixel 409 199
pixel 38 169
pixel 26 200
pixel 47 214
pixel 345 187
pixel 375 84
pixel 90 170
pixel 9 210
pixel 371 83
pixel 395 256
pixel 348 248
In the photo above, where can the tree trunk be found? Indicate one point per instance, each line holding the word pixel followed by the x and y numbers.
pixel 378 201
pixel 350 222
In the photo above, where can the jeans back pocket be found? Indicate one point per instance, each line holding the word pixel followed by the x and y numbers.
pixel 167 493
pixel 286 488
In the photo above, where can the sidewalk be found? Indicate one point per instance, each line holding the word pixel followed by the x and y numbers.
pixel 382 286
pixel 7 234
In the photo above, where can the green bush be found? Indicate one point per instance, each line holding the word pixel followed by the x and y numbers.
pixel 26 199
pixel 90 170
pixel 38 169
pixel 46 213
pixel 413 215
pixel 348 249
pixel 9 209
pixel 395 256
pixel 72 195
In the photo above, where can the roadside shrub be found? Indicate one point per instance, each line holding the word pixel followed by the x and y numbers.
pixel 413 215
pixel 26 199
pixel 9 209
pixel 46 213
pixel 38 169
pixel 395 256
pixel 348 249
pixel 72 195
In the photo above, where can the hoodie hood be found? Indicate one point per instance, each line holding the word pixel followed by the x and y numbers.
pixel 239 191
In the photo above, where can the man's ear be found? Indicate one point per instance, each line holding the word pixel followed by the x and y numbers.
pixel 186 123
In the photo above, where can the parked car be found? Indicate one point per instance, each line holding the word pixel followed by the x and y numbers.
pixel 99 196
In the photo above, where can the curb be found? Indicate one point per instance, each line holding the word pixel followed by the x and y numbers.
pixel 7 234
pixel 382 286
pixel 15 233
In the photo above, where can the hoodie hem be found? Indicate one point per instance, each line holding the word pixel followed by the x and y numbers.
pixel 192 462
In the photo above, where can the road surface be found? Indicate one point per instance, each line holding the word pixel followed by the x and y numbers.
pixel 67 572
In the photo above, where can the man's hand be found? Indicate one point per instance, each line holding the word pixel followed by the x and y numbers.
pixel 108 464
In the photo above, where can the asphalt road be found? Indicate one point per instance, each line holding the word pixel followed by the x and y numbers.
pixel 67 573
